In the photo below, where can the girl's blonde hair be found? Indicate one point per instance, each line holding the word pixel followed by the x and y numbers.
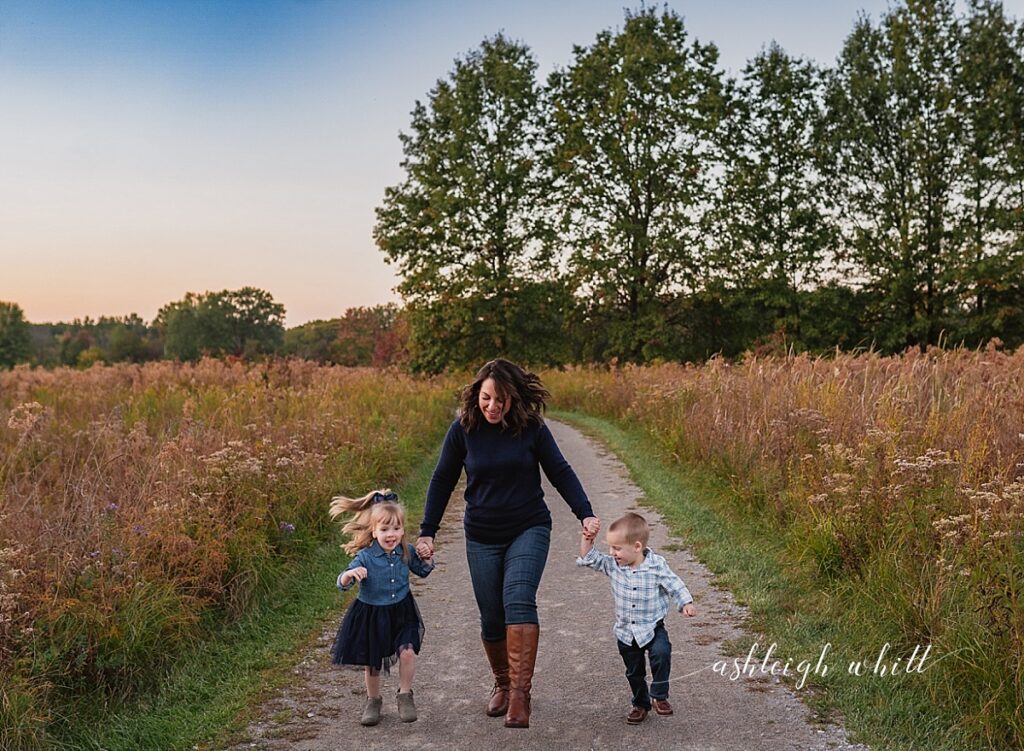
pixel 376 507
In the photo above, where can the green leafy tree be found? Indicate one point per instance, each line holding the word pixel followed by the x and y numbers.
pixel 255 322
pixel 835 315
pixel 470 329
pixel 631 121
pixel 990 108
pixel 893 136
pixel 772 215
pixel 191 327
pixel 373 336
pixel 89 357
pixel 112 339
pixel 74 341
pixel 466 227
pixel 244 323
pixel 15 339
pixel 315 340
pixel 129 339
pixel 45 344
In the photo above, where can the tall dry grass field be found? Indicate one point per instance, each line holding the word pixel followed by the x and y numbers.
pixel 141 506
pixel 896 480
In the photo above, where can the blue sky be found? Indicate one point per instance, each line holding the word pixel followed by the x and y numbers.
pixel 148 149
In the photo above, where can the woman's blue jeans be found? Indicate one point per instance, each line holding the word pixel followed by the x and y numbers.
pixel 505 579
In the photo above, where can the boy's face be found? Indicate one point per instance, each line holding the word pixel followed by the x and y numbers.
pixel 625 553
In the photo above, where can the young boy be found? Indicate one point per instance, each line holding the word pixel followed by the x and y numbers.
pixel 642 584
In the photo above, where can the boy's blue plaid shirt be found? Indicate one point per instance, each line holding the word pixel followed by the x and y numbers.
pixel 641 593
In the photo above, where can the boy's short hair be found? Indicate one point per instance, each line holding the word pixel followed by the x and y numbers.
pixel 633 526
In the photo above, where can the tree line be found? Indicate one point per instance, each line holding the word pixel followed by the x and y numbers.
pixel 245 323
pixel 639 204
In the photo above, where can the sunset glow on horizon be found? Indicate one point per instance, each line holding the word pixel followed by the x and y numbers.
pixel 150 149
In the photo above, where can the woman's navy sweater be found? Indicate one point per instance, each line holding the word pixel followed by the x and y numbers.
pixel 503 493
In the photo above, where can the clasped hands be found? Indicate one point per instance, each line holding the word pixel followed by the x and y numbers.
pixel 425 548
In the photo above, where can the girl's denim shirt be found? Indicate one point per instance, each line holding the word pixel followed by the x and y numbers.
pixel 387 575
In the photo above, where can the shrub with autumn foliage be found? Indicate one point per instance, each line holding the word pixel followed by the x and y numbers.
pixel 898 481
pixel 142 505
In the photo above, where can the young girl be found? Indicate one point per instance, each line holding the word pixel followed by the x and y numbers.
pixel 383 626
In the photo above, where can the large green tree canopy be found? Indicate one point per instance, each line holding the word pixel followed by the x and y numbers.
pixel 243 322
pixel 630 130
pixel 14 335
pixel 466 228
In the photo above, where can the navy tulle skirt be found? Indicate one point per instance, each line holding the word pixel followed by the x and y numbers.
pixel 373 635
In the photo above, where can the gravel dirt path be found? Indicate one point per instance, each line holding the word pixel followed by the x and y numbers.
pixel 580 694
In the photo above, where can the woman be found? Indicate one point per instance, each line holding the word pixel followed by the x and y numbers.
pixel 502 442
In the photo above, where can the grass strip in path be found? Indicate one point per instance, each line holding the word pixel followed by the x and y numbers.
pixel 787 605
pixel 212 693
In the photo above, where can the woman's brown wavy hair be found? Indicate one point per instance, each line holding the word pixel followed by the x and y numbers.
pixel 525 391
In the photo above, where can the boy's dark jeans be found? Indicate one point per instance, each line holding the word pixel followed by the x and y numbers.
pixel 659 651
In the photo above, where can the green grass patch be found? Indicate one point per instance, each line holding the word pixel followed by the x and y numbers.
pixel 213 693
pixel 793 603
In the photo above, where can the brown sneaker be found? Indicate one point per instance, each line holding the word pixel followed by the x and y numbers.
pixel 636 716
pixel 661 706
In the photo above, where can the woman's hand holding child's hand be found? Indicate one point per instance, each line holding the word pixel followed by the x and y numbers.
pixel 425 548
pixel 357 573
pixel 586 540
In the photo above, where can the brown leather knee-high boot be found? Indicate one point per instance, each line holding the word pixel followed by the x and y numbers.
pixel 497 655
pixel 522 657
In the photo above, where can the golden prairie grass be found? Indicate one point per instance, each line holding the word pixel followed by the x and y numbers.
pixel 899 481
pixel 142 505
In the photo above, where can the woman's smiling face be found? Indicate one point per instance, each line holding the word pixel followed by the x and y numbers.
pixel 493 404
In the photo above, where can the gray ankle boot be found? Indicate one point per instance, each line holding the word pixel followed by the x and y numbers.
pixel 371 712
pixel 406 709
